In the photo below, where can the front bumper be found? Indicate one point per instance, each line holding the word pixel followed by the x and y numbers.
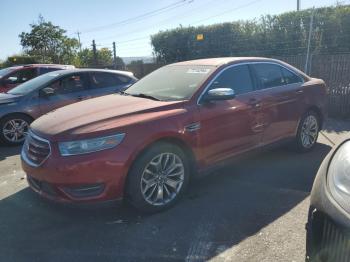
pixel 95 177
pixel 328 226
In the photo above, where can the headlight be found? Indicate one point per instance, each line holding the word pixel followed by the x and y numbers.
pixel 89 145
pixel 339 176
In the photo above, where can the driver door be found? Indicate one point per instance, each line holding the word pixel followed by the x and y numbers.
pixel 67 90
pixel 228 127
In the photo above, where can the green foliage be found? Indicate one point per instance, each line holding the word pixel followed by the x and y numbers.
pixel 271 35
pixel 85 58
pixel 49 43
pixel 19 60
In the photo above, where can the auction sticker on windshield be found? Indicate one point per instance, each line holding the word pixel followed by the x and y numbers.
pixel 198 71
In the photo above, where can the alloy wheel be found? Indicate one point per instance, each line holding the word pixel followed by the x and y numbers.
pixel 162 179
pixel 309 131
pixel 15 130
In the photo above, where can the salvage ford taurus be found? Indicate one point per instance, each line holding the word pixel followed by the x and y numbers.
pixel 145 143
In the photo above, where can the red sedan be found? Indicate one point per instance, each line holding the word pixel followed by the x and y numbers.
pixel 146 143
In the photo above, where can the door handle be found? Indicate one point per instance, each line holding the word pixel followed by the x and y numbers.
pixel 299 91
pixel 255 103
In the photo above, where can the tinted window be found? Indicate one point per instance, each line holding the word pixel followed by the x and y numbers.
pixel 174 82
pixel 70 84
pixel 289 77
pixel 5 71
pixel 269 75
pixel 33 84
pixel 102 80
pixel 44 70
pixel 237 77
pixel 22 76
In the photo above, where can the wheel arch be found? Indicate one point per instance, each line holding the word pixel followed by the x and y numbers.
pixel 318 111
pixel 170 140
pixel 17 113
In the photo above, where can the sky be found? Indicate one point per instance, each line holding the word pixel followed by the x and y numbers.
pixel 130 23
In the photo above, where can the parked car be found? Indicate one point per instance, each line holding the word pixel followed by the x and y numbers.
pixel 190 116
pixel 328 223
pixel 11 77
pixel 21 105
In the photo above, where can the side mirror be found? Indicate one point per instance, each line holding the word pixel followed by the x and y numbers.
pixel 220 94
pixel 47 91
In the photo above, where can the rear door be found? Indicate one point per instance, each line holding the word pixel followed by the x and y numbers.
pixel 18 77
pixel 104 83
pixel 67 90
pixel 281 96
pixel 230 126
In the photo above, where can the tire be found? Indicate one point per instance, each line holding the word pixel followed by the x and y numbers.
pixel 308 131
pixel 144 180
pixel 16 123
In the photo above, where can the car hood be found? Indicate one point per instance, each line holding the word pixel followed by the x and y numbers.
pixel 8 98
pixel 107 113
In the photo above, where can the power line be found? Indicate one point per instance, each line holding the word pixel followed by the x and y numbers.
pixel 162 21
pixel 228 11
pixel 141 17
pixel 231 10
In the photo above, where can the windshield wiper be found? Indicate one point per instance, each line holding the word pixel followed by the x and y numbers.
pixel 145 96
pixel 123 93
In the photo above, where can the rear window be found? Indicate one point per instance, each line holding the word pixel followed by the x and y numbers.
pixel 104 80
pixel 44 70
pixel 269 75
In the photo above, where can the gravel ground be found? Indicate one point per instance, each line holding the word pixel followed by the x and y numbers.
pixel 254 209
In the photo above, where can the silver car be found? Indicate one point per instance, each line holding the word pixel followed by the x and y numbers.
pixel 28 101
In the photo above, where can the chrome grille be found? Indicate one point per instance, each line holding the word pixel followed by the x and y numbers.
pixel 35 150
pixel 334 244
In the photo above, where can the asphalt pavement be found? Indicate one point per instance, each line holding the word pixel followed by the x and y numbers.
pixel 254 209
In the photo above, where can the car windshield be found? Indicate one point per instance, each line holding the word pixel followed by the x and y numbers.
pixel 175 82
pixel 33 84
pixel 5 71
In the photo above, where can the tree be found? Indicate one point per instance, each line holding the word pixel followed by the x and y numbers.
pixel 49 43
pixel 271 35
pixel 85 58
pixel 19 60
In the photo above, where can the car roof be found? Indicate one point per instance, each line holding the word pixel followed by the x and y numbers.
pixel 219 61
pixel 70 71
pixel 43 65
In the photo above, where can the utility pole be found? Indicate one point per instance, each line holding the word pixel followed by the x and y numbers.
pixel 94 51
pixel 78 33
pixel 309 41
pixel 298 5
pixel 114 56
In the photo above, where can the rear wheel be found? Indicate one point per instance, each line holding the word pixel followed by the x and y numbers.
pixel 158 178
pixel 308 131
pixel 14 128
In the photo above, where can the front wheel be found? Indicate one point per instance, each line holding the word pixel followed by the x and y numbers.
pixel 14 128
pixel 158 178
pixel 307 131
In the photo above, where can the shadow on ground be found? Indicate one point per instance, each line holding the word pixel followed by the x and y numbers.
pixel 336 125
pixel 222 209
pixel 6 152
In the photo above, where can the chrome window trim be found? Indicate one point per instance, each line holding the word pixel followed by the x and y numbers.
pixel 24 154
pixel 249 63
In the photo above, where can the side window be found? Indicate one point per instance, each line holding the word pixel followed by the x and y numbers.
pixel 22 76
pixel 70 84
pixel 269 75
pixel 44 70
pixel 290 77
pixel 238 78
pixel 103 80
